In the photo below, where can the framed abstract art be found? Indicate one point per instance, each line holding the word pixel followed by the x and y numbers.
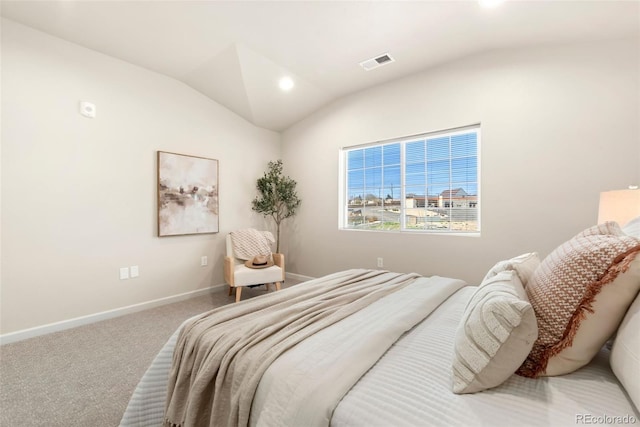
pixel 187 195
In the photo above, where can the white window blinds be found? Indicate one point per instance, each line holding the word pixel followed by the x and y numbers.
pixel 427 182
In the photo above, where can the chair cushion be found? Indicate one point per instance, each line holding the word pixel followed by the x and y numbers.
pixel 244 276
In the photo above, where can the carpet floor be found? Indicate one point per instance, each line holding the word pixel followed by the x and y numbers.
pixel 85 376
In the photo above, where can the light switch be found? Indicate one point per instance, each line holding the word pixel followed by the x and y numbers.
pixel 134 271
pixel 124 273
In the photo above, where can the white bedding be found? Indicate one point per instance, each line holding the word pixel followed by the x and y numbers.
pixel 411 386
pixel 303 386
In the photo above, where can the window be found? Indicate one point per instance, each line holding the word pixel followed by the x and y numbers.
pixel 423 183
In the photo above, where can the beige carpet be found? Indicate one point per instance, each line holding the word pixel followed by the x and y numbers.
pixel 86 375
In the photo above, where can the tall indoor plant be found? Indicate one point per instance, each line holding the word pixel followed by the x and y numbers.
pixel 278 198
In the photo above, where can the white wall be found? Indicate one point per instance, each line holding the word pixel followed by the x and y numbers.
pixel 79 195
pixel 559 125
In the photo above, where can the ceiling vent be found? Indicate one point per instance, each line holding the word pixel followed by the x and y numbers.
pixel 376 62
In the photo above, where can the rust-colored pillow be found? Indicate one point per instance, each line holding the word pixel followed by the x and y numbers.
pixel 580 293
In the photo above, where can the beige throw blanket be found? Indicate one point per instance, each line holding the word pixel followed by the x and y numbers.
pixel 250 242
pixel 220 356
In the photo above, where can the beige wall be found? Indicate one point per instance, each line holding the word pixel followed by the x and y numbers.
pixel 559 125
pixel 79 195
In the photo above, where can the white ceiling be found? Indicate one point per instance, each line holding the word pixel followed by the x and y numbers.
pixel 235 52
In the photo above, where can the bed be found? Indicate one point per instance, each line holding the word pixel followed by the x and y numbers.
pixel 398 359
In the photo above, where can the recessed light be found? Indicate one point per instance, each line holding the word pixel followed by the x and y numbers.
pixel 286 83
pixel 490 3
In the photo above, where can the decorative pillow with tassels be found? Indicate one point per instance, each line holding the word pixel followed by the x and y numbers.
pixel 580 293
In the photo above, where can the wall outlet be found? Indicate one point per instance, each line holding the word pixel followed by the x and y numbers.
pixel 124 273
pixel 204 261
pixel 134 271
pixel 380 262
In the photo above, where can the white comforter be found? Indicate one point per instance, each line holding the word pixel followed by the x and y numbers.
pixel 409 385
pixel 303 386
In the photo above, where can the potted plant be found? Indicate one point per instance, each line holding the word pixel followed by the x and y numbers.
pixel 278 198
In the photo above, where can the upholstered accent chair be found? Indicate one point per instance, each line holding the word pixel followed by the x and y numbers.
pixel 238 275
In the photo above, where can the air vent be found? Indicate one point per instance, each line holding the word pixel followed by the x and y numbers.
pixel 376 62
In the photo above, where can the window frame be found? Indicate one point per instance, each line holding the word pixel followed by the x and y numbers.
pixel 343 202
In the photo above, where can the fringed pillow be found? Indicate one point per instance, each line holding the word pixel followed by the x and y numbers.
pixel 580 293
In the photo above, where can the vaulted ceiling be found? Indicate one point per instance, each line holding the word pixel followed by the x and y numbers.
pixel 235 52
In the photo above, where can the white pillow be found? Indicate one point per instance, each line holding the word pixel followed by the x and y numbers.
pixel 625 355
pixel 495 335
pixel 632 228
pixel 524 265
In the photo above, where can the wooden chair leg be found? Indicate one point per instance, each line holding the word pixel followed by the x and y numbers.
pixel 277 286
pixel 230 290
pixel 267 285
pixel 238 293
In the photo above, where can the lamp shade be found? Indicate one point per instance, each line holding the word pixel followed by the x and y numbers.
pixel 620 206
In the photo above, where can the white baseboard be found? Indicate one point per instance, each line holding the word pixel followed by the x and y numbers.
pixel 110 314
pixel 300 277
pixel 91 318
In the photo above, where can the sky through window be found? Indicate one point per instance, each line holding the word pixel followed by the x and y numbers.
pixel 432 165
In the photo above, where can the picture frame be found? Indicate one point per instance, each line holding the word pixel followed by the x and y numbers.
pixel 187 194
